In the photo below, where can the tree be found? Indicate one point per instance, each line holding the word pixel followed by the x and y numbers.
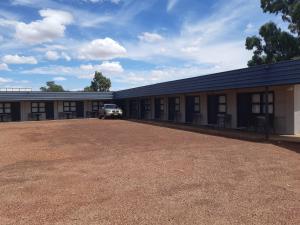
pixel 290 10
pixel 99 83
pixel 273 44
pixel 52 87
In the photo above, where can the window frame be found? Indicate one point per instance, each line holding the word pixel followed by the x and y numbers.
pixel 162 105
pixel 261 103
pixel 177 104
pixel 99 105
pixel 4 108
pixel 69 106
pixel 147 105
pixel 38 107
pixel 196 104
pixel 222 104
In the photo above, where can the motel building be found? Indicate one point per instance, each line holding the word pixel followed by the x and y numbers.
pixel 251 99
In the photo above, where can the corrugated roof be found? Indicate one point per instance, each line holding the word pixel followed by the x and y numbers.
pixel 282 73
pixel 47 96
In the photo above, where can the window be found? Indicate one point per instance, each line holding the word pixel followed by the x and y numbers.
pixel 258 103
pixel 38 107
pixel 177 104
pixel 162 104
pixel 147 105
pixel 270 103
pixel 5 108
pixel 196 104
pixel 222 104
pixel 69 106
pixel 96 105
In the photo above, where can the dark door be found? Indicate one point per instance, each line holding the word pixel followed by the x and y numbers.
pixel 15 111
pixel 171 108
pixel 189 109
pixel 134 109
pixel 49 107
pixel 157 108
pixel 212 109
pixel 80 109
pixel 244 109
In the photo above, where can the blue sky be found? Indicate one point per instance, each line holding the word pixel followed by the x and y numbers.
pixel 133 42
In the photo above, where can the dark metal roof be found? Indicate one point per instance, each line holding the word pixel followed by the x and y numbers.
pixel 47 96
pixel 282 73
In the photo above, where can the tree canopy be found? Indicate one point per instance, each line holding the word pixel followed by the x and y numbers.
pixel 52 87
pixel 99 83
pixel 273 44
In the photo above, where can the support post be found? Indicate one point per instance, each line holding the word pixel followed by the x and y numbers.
pixel 267 116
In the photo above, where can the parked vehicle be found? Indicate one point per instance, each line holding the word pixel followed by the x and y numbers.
pixel 110 111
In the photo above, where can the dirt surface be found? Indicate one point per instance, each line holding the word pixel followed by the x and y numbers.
pixel 119 172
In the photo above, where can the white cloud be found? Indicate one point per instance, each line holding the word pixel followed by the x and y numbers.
pixel 86 71
pixel 102 49
pixel 5 80
pixel 52 55
pixel 4 66
pixel 59 79
pixel 171 4
pixel 51 27
pixel 16 59
pixel 150 37
pixel 107 68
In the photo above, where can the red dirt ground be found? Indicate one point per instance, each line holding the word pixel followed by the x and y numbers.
pixel 120 172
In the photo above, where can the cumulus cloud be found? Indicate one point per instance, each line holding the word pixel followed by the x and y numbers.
pixel 102 49
pixel 109 68
pixel 16 59
pixel 150 37
pixel 51 27
pixel 4 66
pixel 54 55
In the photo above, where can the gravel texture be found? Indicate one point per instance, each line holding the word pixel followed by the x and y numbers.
pixel 119 172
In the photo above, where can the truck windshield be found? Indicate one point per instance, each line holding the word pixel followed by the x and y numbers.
pixel 111 106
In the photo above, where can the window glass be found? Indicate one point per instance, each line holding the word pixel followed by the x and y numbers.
pixel 66 103
pixel 222 108
pixel 34 104
pixel 42 105
pixel 222 99
pixel 256 108
pixel 177 104
pixel 197 108
pixel 34 110
pixel 270 108
pixel 73 104
pixel 1 110
pixel 256 98
pixel 270 98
